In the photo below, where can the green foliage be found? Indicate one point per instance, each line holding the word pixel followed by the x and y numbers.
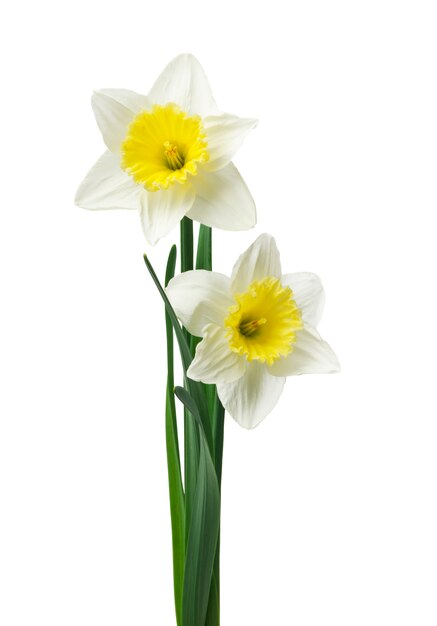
pixel 176 491
pixel 204 529
pixel 194 502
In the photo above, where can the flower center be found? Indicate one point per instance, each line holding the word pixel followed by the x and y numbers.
pixel 174 160
pixel 262 325
pixel 163 146
pixel 249 328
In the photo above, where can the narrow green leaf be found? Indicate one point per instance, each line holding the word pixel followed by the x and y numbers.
pixel 183 346
pixel 203 262
pixel 202 541
pixel 171 265
pixel 194 388
pixel 204 248
pixel 218 425
pixel 189 403
pixel 204 530
pixel 216 411
pixel 177 501
pixel 186 244
pixel 218 415
pixel 191 436
pixel 213 611
pixel 191 458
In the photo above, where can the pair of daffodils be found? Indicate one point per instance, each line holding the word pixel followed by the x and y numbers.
pixel 169 155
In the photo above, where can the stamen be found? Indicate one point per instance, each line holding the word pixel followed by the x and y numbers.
pixel 248 328
pixel 174 160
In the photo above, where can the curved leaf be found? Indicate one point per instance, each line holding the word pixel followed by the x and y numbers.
pixel 204 529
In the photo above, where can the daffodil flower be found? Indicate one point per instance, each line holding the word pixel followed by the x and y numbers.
pixel 258 327
pixel 169 155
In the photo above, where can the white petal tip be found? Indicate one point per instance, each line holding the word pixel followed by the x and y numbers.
pixel 186 55
pixel 249 426
pixel 79 200
pixel 96 95
pixel 336 368
pixel 105 92
pixel 151 241
pixel 266 237
pixel 250 399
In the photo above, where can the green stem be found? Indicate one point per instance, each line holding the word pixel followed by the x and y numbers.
pixel 177 500
pixel 187 251
pixel 216 412
pixel 191 440
pixel 218 434
pixel 213 419
pixel 218 424
pixel 202 506
pixel 204 249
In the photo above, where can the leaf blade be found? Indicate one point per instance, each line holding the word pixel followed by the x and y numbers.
pixel 176 492
pixel 204 249
pixel 194 388
pixel 204 529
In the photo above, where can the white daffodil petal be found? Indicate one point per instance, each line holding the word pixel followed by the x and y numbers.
pixel 107 186
pixel 260 260
pixel 223 200
pixel 131 100
pixel 114 110
pixel 310 355
pixel 214 361
pixel 224 134
pixel 251 398
pixel 184 82
pixel 200 298
pixel 162 210
pixel 308 294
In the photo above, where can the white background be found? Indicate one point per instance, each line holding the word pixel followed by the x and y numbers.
pixel 329 507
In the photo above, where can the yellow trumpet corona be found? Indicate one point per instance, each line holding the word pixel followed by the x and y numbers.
pixel 262 325
pixel 163 146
